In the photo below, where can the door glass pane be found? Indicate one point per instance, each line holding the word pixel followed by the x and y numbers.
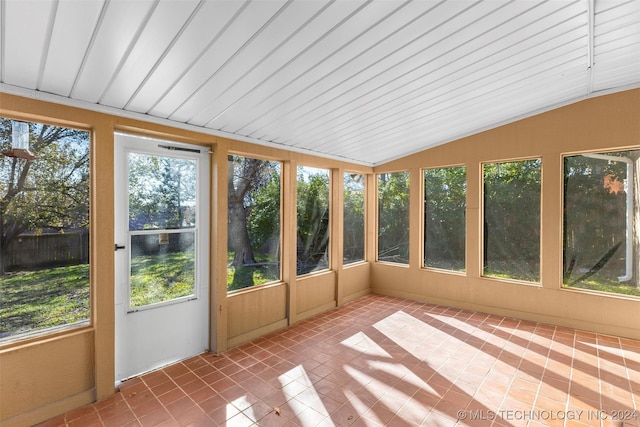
pixel 162 267
pixel 162 206
pixel 162 192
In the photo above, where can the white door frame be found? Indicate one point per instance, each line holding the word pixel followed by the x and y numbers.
pixel 157 335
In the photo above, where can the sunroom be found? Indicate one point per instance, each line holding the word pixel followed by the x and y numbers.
pixel 190 178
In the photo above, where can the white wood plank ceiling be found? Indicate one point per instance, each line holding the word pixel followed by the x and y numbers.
pixel 358 80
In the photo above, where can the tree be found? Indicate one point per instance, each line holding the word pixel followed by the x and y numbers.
pixel 160 191
pixel 48 192
pixel 264 213
pixel 595 219
pixel 353 217
pixel 246 177
pixel 393 217
pixel 512 219
pixel 444 214
pixel 312 219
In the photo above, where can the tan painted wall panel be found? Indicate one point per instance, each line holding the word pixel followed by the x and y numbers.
pixel 251 310
pixel 41 373
pixel 315 292
pixel 600 124
pixel 354 281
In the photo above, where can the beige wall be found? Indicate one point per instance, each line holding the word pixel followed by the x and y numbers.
pixel 600 124
pixel 46 376
pixel 69 374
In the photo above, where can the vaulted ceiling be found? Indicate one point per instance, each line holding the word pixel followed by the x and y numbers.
pixel 358 80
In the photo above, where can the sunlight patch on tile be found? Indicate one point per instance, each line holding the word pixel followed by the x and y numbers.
pixel 362 343
pixel 302 393
pixel 614 351
pixel 374 386
pixel 391 394
pixel 404 329
pixel 296 373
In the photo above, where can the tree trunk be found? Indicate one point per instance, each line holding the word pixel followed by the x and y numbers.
pixel 239 241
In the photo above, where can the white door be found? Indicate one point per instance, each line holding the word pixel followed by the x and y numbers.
pixel 162 245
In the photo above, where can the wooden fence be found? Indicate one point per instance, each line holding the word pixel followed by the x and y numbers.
pixel 30 252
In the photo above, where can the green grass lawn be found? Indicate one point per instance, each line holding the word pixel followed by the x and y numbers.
pixel 252 275
pixel 42 299
pixel 610 285
pixel 35 300
pixel 158 278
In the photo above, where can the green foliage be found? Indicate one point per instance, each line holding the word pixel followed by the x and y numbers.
pixel 593 212
pixel 313 219
pixel 353 218
pixel 240 277
pixel 254 222
pixel 445 201
pixel 393 217
pixel 264 213
pixel 512 219
pixel 36 300
pixel 595 221
pixel 159 189
pixel 51 191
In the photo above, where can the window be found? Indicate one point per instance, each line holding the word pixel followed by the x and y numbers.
pixel 254 222
pixel 393 217
pixel 313 219
pixel 600 214
pixel 353 218
pixel 512 220
pixel 162 227
pixel 445 192
pixel 44 227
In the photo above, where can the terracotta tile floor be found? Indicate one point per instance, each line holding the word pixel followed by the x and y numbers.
pixel 386 361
